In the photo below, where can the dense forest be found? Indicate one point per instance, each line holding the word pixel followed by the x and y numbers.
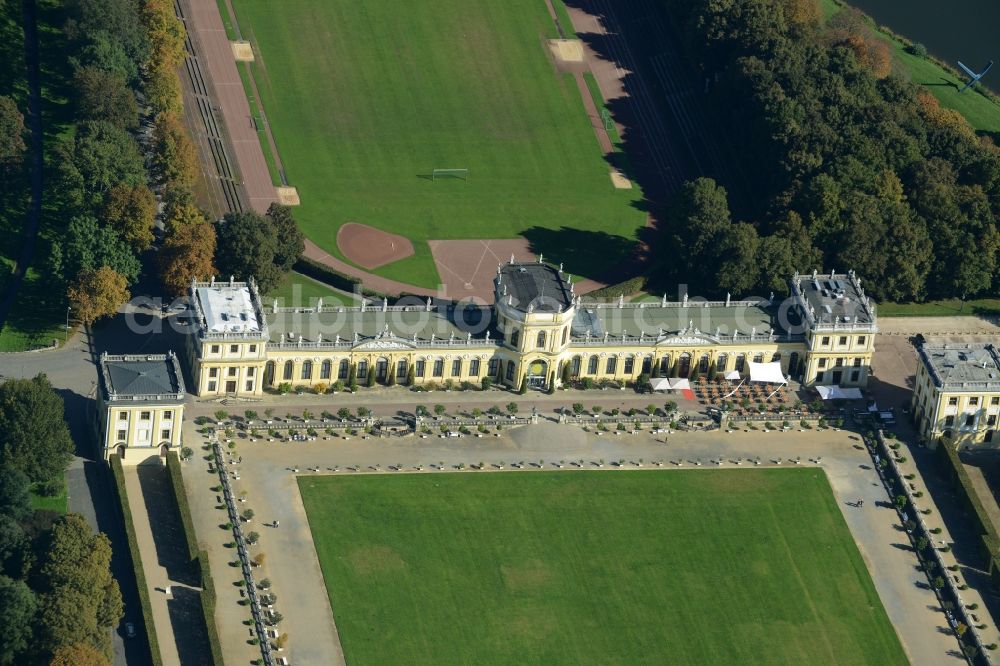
pixel 845 164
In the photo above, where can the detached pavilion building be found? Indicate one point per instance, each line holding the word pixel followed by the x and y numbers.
pixel 957 393
pixel 140 408
pixel 537 327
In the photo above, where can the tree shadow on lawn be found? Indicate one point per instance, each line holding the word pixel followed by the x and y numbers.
pixel 592 254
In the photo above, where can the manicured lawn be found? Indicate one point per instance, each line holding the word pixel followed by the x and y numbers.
pixel 365 99
pixel 943 308
pixel 55 503
pixel 653 567
pixel 296 289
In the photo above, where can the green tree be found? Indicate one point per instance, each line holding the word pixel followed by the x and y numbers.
pixel 15 493
pixel 290 241
pixel 96 158
pixel 104 95
pixel 34 437
pixel 79 599
pixel 17 614
pixel 697 218
pixel 246 247
pixel 14 547
pixel 86 246
pixel 735 258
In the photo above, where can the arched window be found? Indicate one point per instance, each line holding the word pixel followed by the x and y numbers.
pixel 325 369
pixel 287 372
pixel 401 369
pixel 307 370
pixel 362 369
pixel 629 365
pixel 540 340
pixel 574 367
pixel 515 337
pixel 344 370
pixel 776 357
pixel 592 365
pixel 720 362
pixel 703 364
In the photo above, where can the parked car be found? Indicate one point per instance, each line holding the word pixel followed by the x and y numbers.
pixel 129 630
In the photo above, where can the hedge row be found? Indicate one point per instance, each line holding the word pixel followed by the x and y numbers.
pixel 970 498
pixel 208 600
pixel 183 508
pixel 335 279
pixel 197 557
pixel 137 570
pixel 626 288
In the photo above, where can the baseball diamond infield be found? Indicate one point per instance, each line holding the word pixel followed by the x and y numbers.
pixel 369 247
pixel 365 100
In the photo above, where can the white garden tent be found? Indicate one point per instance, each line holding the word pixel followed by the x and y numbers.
pixel 660 384
pixel 667 384
pixel 769 373
pixel 837 393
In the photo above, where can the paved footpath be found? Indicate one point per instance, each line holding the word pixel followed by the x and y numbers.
pixel 157 579
pixel 266 475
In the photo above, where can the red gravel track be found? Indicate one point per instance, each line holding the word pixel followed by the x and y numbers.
pixel 369 247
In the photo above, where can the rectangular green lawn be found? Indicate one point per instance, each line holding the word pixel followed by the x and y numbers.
pixel 365 99
pixel 709 567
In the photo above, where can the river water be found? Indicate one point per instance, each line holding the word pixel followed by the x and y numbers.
pixel 965 30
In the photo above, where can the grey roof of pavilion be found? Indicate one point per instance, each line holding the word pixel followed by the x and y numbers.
pixel 712 319
pixel 834 299
pixel 152 377
pixel 373 322
pixel 971 366
pixel 535 284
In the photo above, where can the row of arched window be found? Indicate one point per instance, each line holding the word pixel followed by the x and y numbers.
pixel 307 369
pixel 684 364
pixel 540 338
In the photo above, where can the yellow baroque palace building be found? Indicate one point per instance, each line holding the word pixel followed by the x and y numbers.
pixel 957 392
pixel 823 333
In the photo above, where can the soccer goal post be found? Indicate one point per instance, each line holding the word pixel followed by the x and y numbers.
pixel 450 173
pixel 609 124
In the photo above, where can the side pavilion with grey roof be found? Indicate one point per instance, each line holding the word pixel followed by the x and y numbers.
pixel 140 406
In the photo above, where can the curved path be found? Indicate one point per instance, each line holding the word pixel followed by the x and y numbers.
pixel 35 148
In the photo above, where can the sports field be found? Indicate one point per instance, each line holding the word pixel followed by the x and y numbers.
pixel 654 567
pixel 365 99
